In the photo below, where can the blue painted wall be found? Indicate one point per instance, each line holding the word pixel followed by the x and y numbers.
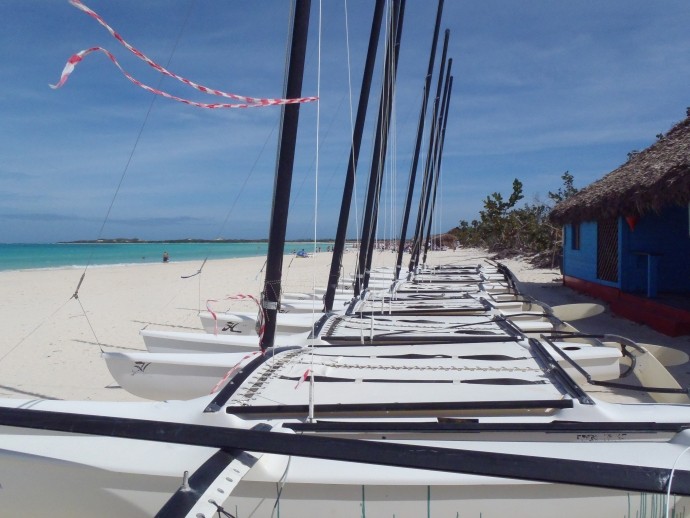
pixel 582 263
pixel 666 234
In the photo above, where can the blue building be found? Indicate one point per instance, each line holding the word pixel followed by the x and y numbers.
pixel 627 236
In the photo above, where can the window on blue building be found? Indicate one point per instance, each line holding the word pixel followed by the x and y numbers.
pixel 575 236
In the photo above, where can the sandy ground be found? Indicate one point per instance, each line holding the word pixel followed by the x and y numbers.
pixel 52 341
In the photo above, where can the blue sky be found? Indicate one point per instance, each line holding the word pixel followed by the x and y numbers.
pixel 541 87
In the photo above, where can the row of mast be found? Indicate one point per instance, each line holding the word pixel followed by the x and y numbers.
pixel 286 151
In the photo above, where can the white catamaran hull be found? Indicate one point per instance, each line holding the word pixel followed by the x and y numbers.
pixel 66 490
pixel 240 323
pixel 164 376
pixel 176 342
pixel 106 476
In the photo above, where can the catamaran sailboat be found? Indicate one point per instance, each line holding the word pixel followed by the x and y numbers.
pixel 505 425
pixel 494 422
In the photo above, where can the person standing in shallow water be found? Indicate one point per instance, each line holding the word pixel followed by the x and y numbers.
pixel 166 257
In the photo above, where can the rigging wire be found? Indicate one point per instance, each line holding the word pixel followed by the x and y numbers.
pixel 36 328
pixel 364 247
pixel 240 192
pixel 142 127
pixel 305 177
pixel 223 225
pixel 385 98
pixel 670 481
pixel 388 172
pixel 310 416
pixel 392 161
pixel 439 219
pixel 352 123
pixel 75 295
pixel 128 162
pixel 280 485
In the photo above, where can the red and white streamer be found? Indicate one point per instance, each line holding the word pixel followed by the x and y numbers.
pixel 246 102
pixel 231 372
pixel 261 320
pixel 304 378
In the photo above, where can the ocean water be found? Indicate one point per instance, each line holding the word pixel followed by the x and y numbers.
pixel 79 255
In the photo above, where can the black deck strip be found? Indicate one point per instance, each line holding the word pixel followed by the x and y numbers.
pixel 333 379
pixel 318 379
pixel 382 324
pixel 412 331
pixel 459 295
pixel 444 280
pixel 459 327
pixel 359 341
pixel 437 304
pixel 354 340
pixel 185 498
pixel 478 357
pixel 481 381
pixel 627 476
pixel 472 426
pixel 436 290
pixel 411 356
pixel 558 373
pixel 359 408
pixel 459 267
pixel 318 325
pixel 504 381
pixel 419 356
pixel 422 310
pixel 410 381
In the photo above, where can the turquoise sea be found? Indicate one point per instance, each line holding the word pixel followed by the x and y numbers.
pixel 73 255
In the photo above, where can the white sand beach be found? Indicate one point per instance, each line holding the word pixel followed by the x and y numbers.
pixel 52 342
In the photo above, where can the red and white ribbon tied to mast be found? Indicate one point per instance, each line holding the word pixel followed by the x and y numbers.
pixel 261 319
pixel 244 101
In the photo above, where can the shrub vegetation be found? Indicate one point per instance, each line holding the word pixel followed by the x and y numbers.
pixel 508 230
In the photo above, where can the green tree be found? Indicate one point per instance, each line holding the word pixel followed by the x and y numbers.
pixel 505 229
pixel 566 191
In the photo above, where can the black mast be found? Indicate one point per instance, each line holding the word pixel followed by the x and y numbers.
pixel 339 245
pixel 424 196
pixel 380 144
pixel 438 152
pixel 418 143
pixel 283 178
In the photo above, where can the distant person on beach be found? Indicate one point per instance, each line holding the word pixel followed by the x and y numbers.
pixel 166 257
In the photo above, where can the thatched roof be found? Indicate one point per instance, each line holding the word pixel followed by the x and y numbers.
pixel 652 179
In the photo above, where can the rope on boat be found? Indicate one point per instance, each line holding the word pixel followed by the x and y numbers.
pixel 93 331
pixel 261 318
pixel 220 510
pixel 262 269
pixel 280 485
pixel 75 296
pixel 198 272
pixel 670 481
